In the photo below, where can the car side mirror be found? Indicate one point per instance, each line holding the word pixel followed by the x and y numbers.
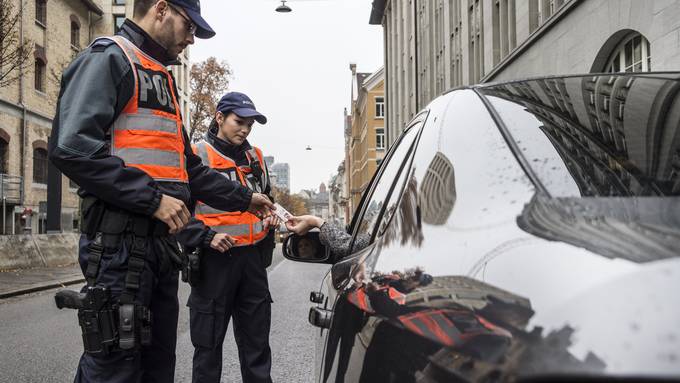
pixel 306 248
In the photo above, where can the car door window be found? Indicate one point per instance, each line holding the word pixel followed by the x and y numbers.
pixel 391 174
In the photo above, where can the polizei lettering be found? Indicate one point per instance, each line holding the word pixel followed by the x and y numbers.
pixel 154 90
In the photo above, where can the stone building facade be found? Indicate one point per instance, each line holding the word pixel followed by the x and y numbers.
pixel 435 45
pixel 59 30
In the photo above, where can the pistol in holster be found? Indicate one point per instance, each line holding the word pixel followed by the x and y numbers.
pixel 96 316
pixel 109 323
pixel 191 269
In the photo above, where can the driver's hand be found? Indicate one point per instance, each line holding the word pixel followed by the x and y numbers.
pixel 302 224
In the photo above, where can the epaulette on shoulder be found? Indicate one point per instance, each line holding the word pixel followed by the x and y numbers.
pixel 101 45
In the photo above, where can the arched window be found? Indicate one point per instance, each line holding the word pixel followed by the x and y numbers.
pixel 39 166
pixel 631 55
pixel 41 12
pixel 4 151
pixel 39 75
pixel 75 32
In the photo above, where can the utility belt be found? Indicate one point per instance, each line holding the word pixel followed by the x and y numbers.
pixel 108 324
pixel 191 265
pixel 112 222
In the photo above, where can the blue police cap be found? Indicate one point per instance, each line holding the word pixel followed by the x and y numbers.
pixel 241 105
pixel 193 10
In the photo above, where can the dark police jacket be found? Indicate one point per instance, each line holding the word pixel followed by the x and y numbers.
pixel 196 234
pixel 95 87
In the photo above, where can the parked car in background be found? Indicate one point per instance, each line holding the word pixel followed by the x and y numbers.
pixel 526 230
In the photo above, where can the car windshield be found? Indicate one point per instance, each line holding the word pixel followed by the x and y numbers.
pixel 597 136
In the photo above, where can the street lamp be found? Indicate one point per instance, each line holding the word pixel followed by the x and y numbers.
pixel 283 8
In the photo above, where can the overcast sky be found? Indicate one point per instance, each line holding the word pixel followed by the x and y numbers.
pixel 295 67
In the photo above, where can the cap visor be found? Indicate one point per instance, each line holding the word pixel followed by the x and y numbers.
pixel 203 30
pixel 246 113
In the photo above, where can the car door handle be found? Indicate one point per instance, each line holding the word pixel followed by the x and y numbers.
pixel 320 317
pixel 316 297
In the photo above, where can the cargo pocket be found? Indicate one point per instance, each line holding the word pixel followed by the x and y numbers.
pixel 202 321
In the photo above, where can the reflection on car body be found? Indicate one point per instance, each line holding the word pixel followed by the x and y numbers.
pixel 522 230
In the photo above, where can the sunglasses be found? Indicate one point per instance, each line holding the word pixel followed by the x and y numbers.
pixel 191 26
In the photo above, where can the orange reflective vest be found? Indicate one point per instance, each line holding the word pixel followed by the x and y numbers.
pixel 245 227
pixel 148 132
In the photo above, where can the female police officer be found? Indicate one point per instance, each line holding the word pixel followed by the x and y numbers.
pixel 233 276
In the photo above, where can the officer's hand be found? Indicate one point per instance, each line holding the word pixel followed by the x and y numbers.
pixel 173 212
pixel 271 221
pixel 302 224
pixel 260 205
pixel 222 242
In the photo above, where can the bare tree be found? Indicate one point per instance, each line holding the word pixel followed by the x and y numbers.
pixel 209 81
pixel 14 53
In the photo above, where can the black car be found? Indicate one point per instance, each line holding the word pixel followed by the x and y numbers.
pixel 517 231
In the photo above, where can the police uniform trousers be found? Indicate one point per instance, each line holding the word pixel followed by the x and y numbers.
pixel 232 285
pixel 157 291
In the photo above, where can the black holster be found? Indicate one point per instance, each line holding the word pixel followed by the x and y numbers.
pixel 96 317
pixel 134 326
pixel 266 248
pixel 191 268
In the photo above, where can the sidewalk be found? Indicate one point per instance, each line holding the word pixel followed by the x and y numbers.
pixel 18 282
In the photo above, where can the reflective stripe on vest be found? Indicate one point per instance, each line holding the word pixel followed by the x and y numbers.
pixel 244 227
pixel 148 132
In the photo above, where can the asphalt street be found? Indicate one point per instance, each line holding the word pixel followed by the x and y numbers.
pixel 39 343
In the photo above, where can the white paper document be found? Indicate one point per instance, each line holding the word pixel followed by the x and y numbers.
pixel 282 213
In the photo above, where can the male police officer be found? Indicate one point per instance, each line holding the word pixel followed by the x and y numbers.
pixel 118 134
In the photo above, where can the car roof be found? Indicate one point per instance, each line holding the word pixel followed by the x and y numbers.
pixel 666 75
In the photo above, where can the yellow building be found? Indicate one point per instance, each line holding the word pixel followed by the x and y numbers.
pixel 366 143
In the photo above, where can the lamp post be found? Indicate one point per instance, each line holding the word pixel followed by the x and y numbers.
pixel 283 8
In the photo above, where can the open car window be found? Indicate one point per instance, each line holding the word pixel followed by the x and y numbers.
pixel 391 175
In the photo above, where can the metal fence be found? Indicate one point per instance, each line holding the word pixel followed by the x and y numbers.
pixel 10 189
pixel 11 193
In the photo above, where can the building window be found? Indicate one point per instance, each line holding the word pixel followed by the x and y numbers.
pixel 380 107
pixel 632 55
pixel 4 150
pixel 39 166
pixel 380 138
pixel 39 75
pixel 475 19
pixel 118 2
pixel 41 12
pixel 118 22
pixel 75 35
